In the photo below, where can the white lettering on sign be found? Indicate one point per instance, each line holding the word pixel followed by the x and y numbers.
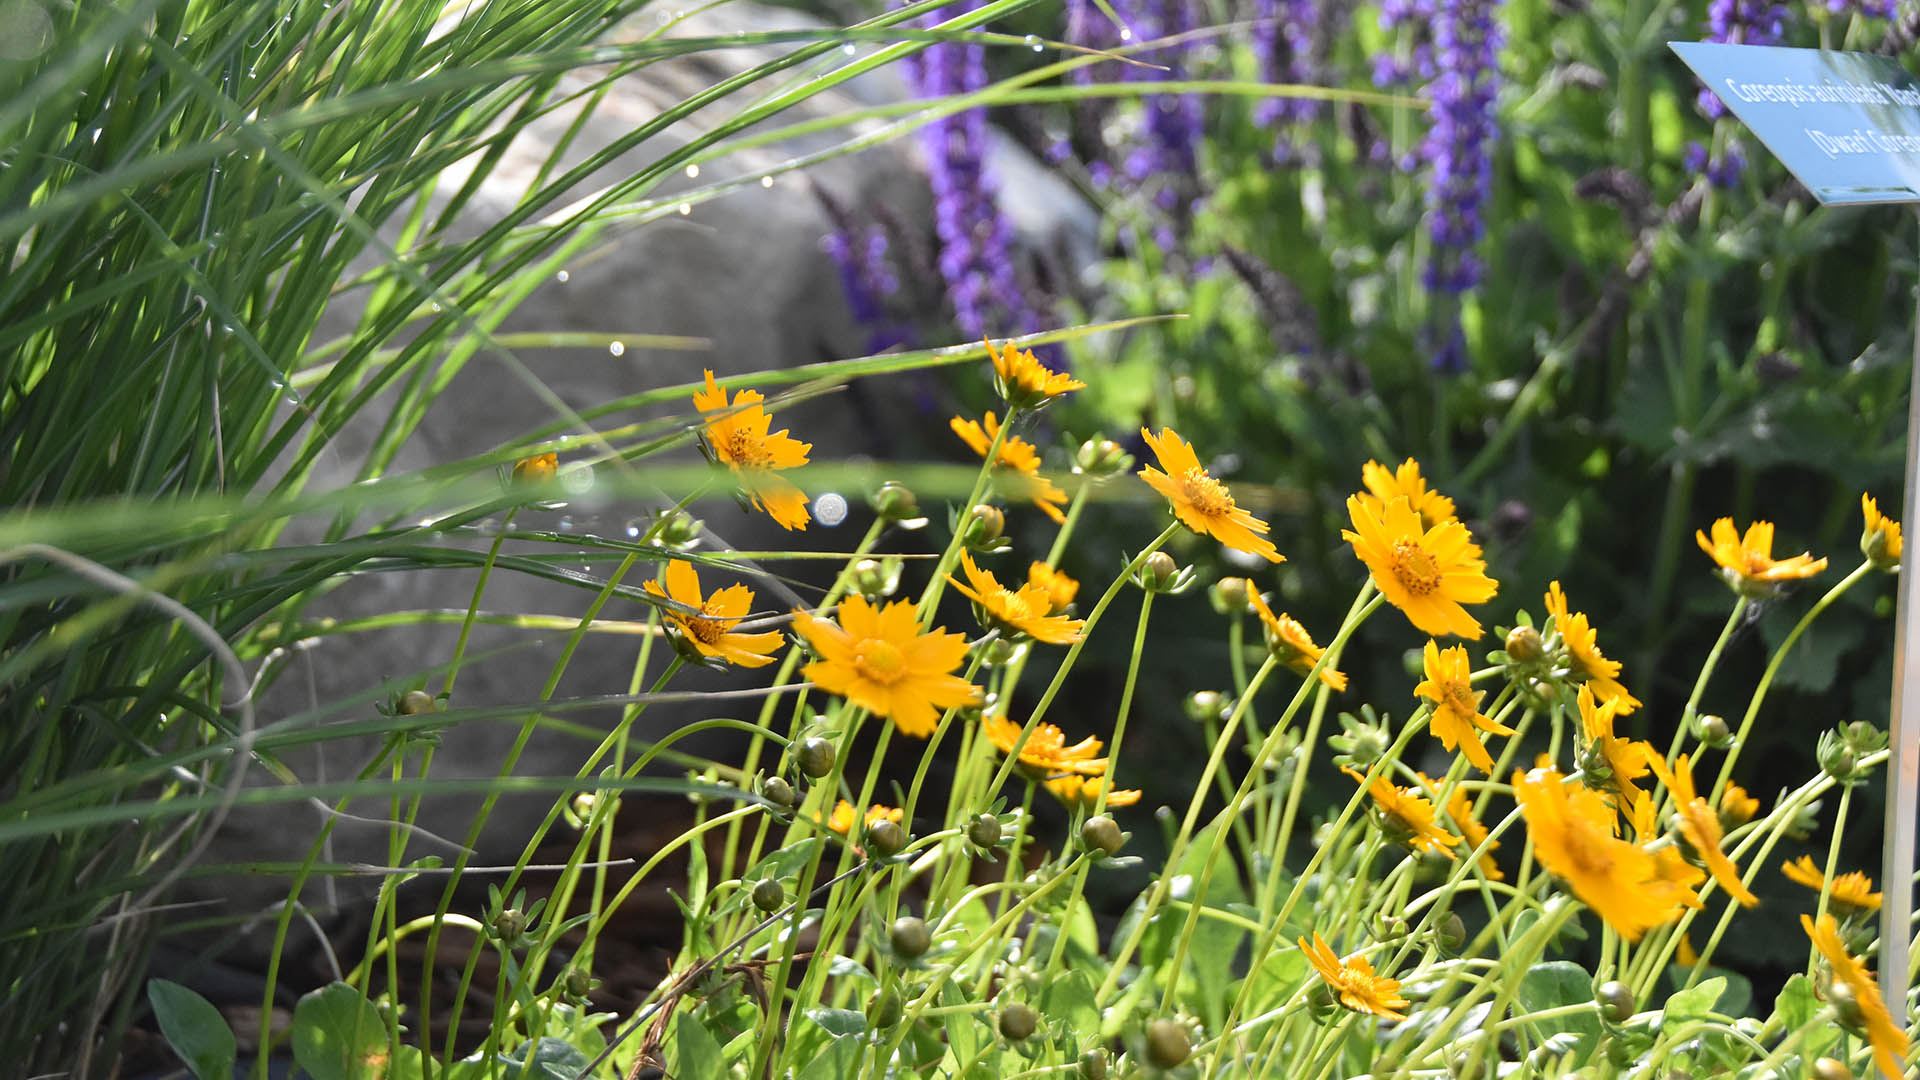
pixel 1863 141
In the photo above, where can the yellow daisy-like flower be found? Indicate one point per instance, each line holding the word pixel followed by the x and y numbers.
pixel 1737 807
pixel 1083 792
pixel 1046 752
pixel 1025 382
pixel 878 659
pixel 1472 832
pixel 1022 612
pixel 1674 869
pixel 1572 833
pixel 1581 640
pixel 841 820
pixel 736 436
pixel 1852 893
pixel 537 469
pixel 1880 539
pixel 1290 643
pixel 1353 981
pixel 1428 573
pixel 1456 704
pixel 1202 503
pixel 1612 764
pixel 1060 588
pixel 1747 562
pixel 1405 483
pixel 1889 1040
pixel 708 627
pixel 1700 826
pixel 1686 955
pixel 1407 816
pixel 1017 465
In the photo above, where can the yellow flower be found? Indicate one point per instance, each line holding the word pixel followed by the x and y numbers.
pixel 841 821
pixel 1046 751
pixel 1685 955
pixel 1023 612
pixel 1017 465
pixel 1407 816
pixel 1405 483
pixel 1583 649
pixel 1613 764
pixel 1747 562
pixel 1202 503
pixel 1472 832
pixel 1426 573
pixel 1880 540
pixel 1852 893
pixel 1456 704
pixel 878 659
pixel 1025 382
pixel 1700 826
pixel 707 629
pixel 1737 807
pixel 1290 643
pixel 1061 589
pixel 1889 1040
pixel 537 469
pixel 1083 792
pixel 736 436
pixel 1572 834
pixel 1354 982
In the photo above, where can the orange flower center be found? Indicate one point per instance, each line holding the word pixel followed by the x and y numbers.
pixel 1588 854
pixel 1459 697
pixel 706 631
pixel 744 449
pixel 879 661
pixel 1756 563
pixel 1414 568
pixel 1206 495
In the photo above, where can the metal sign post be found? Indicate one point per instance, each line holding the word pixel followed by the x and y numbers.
pixel 1847 125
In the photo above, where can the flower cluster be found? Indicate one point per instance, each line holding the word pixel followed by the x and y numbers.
pixel 1742 22
pixel 1457 154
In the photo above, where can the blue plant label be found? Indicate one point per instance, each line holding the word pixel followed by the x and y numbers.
pixel 1846 124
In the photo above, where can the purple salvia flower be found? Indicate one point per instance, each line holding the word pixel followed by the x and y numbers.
pixel 975 239
pixel 1168 159
pixel 1414 18
pixel 1457 152
pixel 1284 46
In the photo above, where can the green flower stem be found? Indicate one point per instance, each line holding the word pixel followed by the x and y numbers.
pixel 1526 950
pixel 1073 653
pixel 473 606
pixel 930 599
pixel 1074 508
pixel 1706 672
pixel 1773 668
pixel 1833 861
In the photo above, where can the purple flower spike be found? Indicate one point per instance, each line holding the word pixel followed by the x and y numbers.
pixel 1458 149
pixel 1742 22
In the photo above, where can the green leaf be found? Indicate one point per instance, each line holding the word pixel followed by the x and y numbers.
pixel 1696 1003
pixel 1797 1007
pixel 1068 1002
pixel 693 1052
pixel 548 1058
pixel 1735 1000
pixel 845 1032
pixel 1554 984
pixel 338 1035
pixel 194 1028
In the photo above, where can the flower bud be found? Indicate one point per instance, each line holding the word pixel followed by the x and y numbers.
pixel 768 896
pixel 676 529
pixel 984 831
pixel 1451 934
pixel 895 503
pixel 1204 705
pixel 1167 1044
pixel 1827 1068
pixel 1018 1021
pixel 816 756
pixel 885 838
pixel 1713 730
pixel 577 983
pixel 417 702
pixel 876 579
pixel 537 469
pixel 1524 645
pixel 1322 1003
pixel 910 937
pixel 1000 652
pixel 1615 1001
pixel 1100 833
pixel 1158 572
pixel 1388 927
pixel 777 791
pixel 982 526
pixel 1837 758
pixel 1093 1065
pixel 883 1009
pixel 1229 595
pixel 1101 458
pixel 510 925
